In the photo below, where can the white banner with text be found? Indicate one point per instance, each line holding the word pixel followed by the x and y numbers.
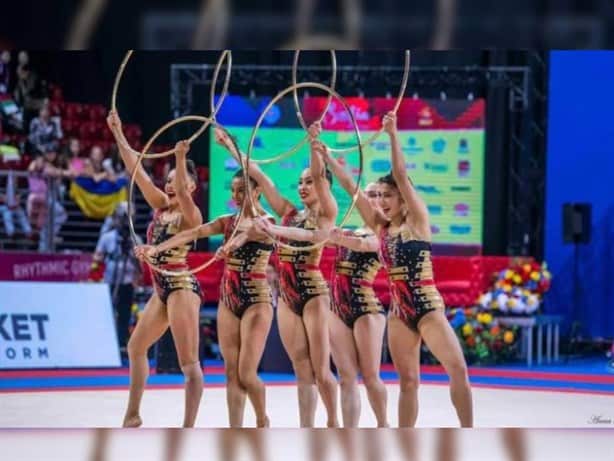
pixel 53 325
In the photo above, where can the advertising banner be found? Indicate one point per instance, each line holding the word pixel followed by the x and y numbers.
pixel 56 325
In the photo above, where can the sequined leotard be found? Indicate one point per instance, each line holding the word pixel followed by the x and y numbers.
pixel 352 289
pixel 160 230
pixel 410 272
pixel 244 280
pixel 300 276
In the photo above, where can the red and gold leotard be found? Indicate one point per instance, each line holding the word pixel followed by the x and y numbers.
pixel 410 272
pixel 300 276
pixel 352 289
pixel 162 227
pixel 244 280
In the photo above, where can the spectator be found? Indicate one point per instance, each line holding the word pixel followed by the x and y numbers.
pixel 157 169
pixel 10 213
pixel 5 73
pixel 71 159
pixel 28 93
pixel 53 170
pixel 11 210
pixel 53 164
pixel 122 270
pixel 55 167
pixel 11 114
pixel 23 58
pixel 149 165
pixel 37 184
pixel 44 190
pixel 45 133
pixel 94 167
pixel 113 165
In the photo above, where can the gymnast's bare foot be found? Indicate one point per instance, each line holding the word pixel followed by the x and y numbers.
pixel 132 421
pixel 264 422
pixel 332 424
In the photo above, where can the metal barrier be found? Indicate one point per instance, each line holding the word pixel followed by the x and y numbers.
pixel 76 232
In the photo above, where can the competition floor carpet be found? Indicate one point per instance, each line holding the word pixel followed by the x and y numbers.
pixel 567 395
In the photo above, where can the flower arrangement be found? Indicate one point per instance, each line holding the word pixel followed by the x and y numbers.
pixel 517 290
pixel 483 340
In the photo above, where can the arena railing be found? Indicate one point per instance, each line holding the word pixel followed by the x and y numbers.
pixel 78 232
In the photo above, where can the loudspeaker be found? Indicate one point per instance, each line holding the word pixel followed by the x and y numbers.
pixel 577 222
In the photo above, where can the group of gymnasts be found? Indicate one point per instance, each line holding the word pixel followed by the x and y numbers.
pixel 316 317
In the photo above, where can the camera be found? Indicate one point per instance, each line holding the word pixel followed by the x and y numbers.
pixel 121 223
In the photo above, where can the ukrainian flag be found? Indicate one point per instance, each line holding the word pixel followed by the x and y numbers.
pixel 98 200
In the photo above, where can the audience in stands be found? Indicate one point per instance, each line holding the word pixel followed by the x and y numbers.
pixel 12 212
pixel 56 169
pixel 5 73
pixel 11 116
pixel 149 165
pixel 71 159
pixel 29 93
pixel 113 164
pixel 55 172
pixel 45 132
pixel 37 197
pixel 23 59
pixel 94 167
pixel 44 185
pixel 24 106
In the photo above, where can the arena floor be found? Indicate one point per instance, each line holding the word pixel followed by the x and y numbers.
pixel 164 407
pixel 563 397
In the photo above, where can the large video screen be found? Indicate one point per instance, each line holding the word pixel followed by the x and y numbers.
pixel 443 142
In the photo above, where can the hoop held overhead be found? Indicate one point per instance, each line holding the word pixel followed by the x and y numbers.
pixel 375 135
pixel 299 114
pixel 141 156
pixel 277 97
pixel 215 108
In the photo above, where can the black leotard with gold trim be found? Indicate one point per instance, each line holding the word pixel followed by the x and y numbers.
pixel 410 272
pixel 244 280
pixel 162 227
pixel 300 276
pixel 353 294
